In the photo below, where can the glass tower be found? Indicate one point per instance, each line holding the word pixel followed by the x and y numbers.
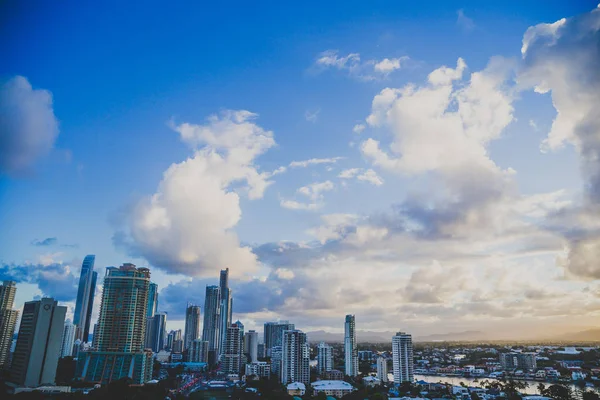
pixel 85 298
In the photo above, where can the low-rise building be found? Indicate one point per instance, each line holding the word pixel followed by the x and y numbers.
pixel 332 388
pixel 296 389
pixel 261 369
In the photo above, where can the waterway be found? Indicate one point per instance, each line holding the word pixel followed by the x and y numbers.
pixel 456 380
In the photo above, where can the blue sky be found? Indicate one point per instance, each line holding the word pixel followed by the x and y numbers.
pixel 123 80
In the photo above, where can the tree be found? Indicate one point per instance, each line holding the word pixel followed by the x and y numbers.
pixel 321 396
pixel 589 395
pixel 558 392
pixel 65 370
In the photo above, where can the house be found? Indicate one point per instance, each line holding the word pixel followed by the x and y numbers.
pixel 296 389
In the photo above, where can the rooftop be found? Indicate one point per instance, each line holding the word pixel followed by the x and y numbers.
pixel 331 385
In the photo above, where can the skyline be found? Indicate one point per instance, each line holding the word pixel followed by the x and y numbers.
pixel 427 179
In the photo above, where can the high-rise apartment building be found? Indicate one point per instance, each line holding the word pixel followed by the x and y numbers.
pixel 192 324
pixel 226 304
pixel 350 346
pixel 121 329
pixel 262 369
pixel 67 340
pixel 295 358
pixel 233 350
pixel 382 370
pixel 273 334
pixel 276 358
pixel 84 304
pixel 156 332
pixel 8 320
pixel 402 357
pixel 324 358
pixel 198 351
pixel 212 311
pixel 526 361
pixel 152 300
pixel 38 344
pixel 251 346
pixel 172 337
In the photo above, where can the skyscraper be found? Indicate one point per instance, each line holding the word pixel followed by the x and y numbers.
pixel 234 348
pixel 121 329
pixel 273 334
pixel 382 369
pixel 226 303
pixel 212 310
pixel 192 324
pixel 402 357
pixel 251 346
pixel 152 300
pixel 156 332
pixel 295 358
pixel 8 320
pixel 38 344
pixel 350 349
pixel 324 358
pixel 172 337
pixel 84 304
pixel 68 339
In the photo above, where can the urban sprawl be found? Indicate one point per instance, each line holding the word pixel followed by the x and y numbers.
pixel 133 355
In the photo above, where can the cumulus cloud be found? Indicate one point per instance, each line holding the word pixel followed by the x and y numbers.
pixel 187 225
pixel 355 67
pixel 28 127
pixel 444 128
pixel 314 191
pixel 563 59
pixel 360 174
pixel 296 205
pixel 314 161
pixel 358 128
pixel 312 116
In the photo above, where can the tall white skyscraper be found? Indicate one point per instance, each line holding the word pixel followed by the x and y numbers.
pixel 295 358
pixel 8 320
pixel 350 348
pixel 402 357
pixel 382 371
pixel 198 351
pixel 251 346
pixel 68 339
pixel 324 358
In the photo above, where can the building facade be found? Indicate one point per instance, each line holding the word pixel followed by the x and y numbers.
pixel 192 324
pixel 226 305
pixel 233 349
pixel 273 334
pixel 8 320
pixel 38 344
pixel 84 303
pixel 350 346
pixel 324 358
pixel 295 358
pixel 152 300
pixel 156 332
pixel 251 346
pixel 198 351
pixel 121 329
pixel 402 358
pixel 261 369
pixel 212 311
pixel 382 369
pixel 525 361
pixel 68 339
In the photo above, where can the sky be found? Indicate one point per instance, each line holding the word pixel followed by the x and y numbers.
pixel 429 168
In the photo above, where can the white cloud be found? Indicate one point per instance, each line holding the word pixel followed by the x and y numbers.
pixel 360 174
pixel 464 22
pixel 295 205
pixel 314 161
pixel 358 128
pixel 28 127
pixel 187 225
pixel 312 116
pixel 533 125
pixel 368 70
pixel 314 191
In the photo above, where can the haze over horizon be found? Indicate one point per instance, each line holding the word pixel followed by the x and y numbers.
pixel 430 170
